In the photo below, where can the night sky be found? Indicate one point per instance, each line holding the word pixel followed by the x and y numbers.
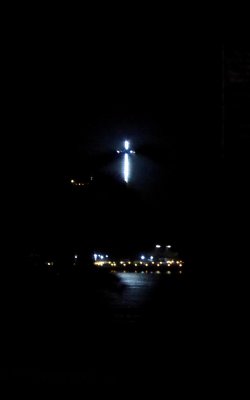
pixel 75 87
pixel 75 99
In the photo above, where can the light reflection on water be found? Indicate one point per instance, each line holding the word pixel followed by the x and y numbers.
pixel 137 288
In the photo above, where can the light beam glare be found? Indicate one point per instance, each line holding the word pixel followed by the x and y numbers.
pixel 126 168
pixel 126 144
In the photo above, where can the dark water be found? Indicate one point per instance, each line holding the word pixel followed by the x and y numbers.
pixel 124 326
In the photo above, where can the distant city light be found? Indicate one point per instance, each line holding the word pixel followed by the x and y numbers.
pixel 126 144
pixel 118 151
pixel 151 258
pixel 72 181
pixel 106 256
pixel 169 247
pixel 142 257
pixel 101 257
pixel 158 246
pixel 76 255
pixel 95 257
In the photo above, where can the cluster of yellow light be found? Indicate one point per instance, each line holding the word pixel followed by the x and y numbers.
pixel 99 263
pixel 74 183
pixel 168 263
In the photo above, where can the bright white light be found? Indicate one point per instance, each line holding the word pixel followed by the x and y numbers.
pixel 106 256
pixel 158 246
pixel 76 256
pixel 95 257
pixel 142 257
pixel 118 151
pixel 102 257
pixel 126 144
pixel 72 181
pixel 151 258
pixel 169 247
pixel 126 168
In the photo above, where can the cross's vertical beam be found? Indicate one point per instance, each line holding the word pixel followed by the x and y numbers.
pixel 126 167
pixel 126 160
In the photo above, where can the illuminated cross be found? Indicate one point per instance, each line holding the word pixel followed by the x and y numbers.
pixel 126 165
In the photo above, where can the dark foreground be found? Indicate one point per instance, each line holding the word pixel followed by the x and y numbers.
pixel 106 329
